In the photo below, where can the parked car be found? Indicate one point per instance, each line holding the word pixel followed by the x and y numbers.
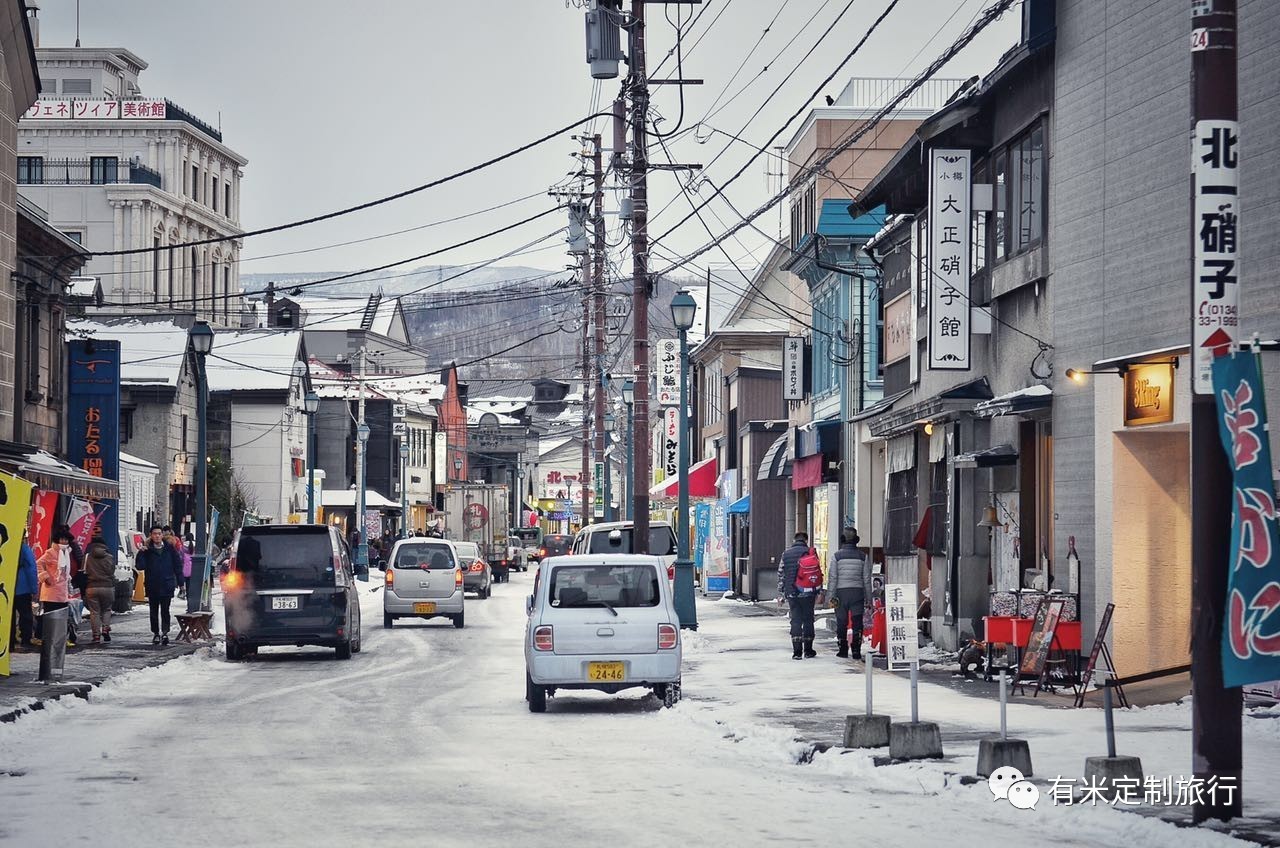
pixel 605 622
pixel 291 584
pixel 614 537
pixel 476 575
pixel 423 580
pixel 554 544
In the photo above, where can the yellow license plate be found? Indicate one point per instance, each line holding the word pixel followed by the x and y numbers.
pixel 612 672
pixel 424 608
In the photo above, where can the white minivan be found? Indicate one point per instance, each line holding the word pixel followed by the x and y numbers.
pixel 614 537
pixel 605 622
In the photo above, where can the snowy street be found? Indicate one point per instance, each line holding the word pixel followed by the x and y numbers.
pixel 424 738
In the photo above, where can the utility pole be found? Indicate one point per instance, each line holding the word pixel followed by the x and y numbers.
pixel 639 86
pixel 585 479
pixel 1216 746
pixel 362 442
pixel 598 285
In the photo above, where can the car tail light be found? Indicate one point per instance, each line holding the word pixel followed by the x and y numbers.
pixel 232 580
pixel 391 577
pixel 671 572
pixel 543 638
pixel 457 577
pixel 476 567
pixel 668 636
pixel 542 552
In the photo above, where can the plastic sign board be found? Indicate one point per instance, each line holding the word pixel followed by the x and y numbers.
pixel 399 428
pixel 93 419
pixel 900 625
pixel 793 368
pixel 949 259
pixel 1148 394
pixel 440 471
pixel 668 370
pixel 598 484
pixel 397 410
pixel 1215 299
pixel 671 443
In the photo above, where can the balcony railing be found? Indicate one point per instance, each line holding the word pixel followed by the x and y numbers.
pixel 99 170
pixel 174 112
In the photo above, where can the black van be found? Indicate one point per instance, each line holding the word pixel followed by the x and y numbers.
pixel 291 584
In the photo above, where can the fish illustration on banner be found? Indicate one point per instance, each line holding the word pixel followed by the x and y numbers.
pixel 15 503
pixel 1251 632
pixel 43 510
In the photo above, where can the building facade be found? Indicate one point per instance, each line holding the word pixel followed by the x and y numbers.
pixel 119 170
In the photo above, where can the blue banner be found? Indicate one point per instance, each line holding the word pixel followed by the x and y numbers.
pixel 1251 631
pixel 93 420
pixel 701 533
pixel 717 566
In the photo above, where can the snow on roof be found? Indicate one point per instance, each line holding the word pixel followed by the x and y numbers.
pixel 133 460
pixel 150 353
pixel 500 406
pixel 754 325
pixel 421 389
pixel 474 415
pixel 243 360
pixel 546 446
pixel 1038 390
pixel 346 313
pixel 83 287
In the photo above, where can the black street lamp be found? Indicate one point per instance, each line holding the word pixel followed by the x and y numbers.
pixel 200 339
pixel 684 310
pixel 608 477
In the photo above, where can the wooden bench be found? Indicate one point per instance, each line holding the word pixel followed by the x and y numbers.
pixel 194 626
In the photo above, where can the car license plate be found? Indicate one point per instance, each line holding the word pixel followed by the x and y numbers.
pixel 613 672
pixel 289 602
pixel 424 608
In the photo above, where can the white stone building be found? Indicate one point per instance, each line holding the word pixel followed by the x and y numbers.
pixel 119 170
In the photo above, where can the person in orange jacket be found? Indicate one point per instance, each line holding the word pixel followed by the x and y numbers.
pixel 54 574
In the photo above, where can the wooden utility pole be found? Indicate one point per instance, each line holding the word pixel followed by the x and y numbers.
pixel 639 89
pixel 585 478
pixel 598 289
pixel 1216 747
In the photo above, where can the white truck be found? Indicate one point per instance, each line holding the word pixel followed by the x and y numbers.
pixel 480 513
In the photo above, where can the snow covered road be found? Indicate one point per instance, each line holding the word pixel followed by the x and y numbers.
pixel 424 739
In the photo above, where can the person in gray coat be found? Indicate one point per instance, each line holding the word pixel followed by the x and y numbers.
pixel 849 579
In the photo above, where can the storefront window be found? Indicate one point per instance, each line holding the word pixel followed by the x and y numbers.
pixel 900 513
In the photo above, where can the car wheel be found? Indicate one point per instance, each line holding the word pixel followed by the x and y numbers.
pixel 344 650
pixel 356 644
pixel 458 621
pixel 535 695
pixel 668 693
pixel 234 653
pixel 387 618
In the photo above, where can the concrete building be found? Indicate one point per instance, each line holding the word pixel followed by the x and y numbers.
pixel 19 88
pixel 120 170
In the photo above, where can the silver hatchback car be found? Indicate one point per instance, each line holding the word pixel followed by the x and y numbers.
pixel 424 580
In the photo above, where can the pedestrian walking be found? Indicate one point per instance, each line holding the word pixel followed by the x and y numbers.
pixel 76 582
pixel 161 566
pixel 54 574
pixel 24 592
pixel 100 592
pixel 800 584
pixel 172 540
pixel 849 580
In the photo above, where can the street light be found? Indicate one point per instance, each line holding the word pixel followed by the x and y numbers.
pixel 609 425
pixel 629 398
pixel 404 489
pixel 200 337
pixel 311 404
pixel 683 311
pixel 362 549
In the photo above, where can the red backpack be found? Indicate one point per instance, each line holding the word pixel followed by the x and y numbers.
pixel 809 572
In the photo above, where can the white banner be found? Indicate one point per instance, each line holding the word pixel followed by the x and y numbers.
pixel 440 467
pixel 900 622
pixel 793 368
pixel 950 205
pixel 668 370
pixel 671 443
pixel 1215 320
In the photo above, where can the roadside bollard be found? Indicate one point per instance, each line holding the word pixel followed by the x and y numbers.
pixel 1104 771
pixel 53 648
pixel 996 753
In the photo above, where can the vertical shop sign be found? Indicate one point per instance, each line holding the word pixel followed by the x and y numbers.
pixel 950 205
pixel 793 368
pixel 1216 317
pixel 668 369
pixel 900 621
pixel 716 562
pixel 671 443
pixel 15 501
pixel 93 419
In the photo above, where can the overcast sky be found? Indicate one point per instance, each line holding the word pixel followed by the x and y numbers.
pixel 336 102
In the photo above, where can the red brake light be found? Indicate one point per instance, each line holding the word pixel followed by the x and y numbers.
pixel 543 638
pixel 671 572
pixel 391 577
pixel 232 580
pixel 668 636
pixel 542 552
pixel 457 577
pixel 477 567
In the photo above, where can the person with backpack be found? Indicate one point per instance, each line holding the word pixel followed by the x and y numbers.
pixel 850 582
pixel 800 584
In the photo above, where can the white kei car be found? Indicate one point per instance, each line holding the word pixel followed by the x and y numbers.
pixel 605 622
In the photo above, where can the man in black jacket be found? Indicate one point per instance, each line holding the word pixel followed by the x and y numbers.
pixel 801 602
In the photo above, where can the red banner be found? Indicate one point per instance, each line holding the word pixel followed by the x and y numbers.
pixel 44 508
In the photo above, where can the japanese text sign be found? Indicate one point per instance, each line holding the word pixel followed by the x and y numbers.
pixel 1251 631
pixel 98 110
pixel 93 418
pixel 793 368
pixel 597 509
pixel 671 443
pixel 949 259
pixel 1215 298
pixel 15 499
pixel 900 625
pixel 668 370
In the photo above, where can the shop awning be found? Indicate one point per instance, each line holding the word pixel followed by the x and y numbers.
pixel 347 498
pixel 883 405
pixel 741 506
pixel 807 472
pixel 989 458
pixel 53 475
pixel 1022 401
pixel 776 463
pixel 702 482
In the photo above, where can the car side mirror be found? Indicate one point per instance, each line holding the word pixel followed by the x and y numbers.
pixel 528 605
pixel 362 573
pixel 382 564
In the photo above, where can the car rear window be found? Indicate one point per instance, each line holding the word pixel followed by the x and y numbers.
pixel 556 545
pixel 286 559
pixel 662 542
pixel 468 551
pixel 598 585
pixel 425 555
